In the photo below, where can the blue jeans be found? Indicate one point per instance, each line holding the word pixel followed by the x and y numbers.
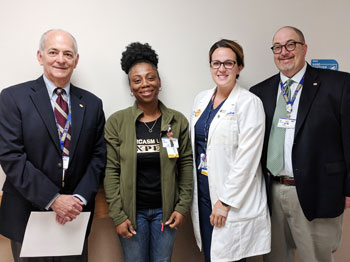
pixel 150 244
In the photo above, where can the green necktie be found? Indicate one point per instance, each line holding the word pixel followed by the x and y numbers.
pixel 275 150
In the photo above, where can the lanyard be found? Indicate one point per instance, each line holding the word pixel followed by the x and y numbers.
pixel 62 138
pixel 289 103
pixel 203 158
pixel 207 122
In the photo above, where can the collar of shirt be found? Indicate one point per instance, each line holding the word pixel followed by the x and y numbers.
pixel 296 78
pixel 51 88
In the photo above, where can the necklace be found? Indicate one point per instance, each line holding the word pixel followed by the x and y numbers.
pixel 150 129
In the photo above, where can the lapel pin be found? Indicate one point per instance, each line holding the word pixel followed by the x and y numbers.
pixel 81 105
pixel 315 84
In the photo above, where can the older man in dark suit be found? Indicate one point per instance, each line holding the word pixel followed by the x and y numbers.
pixel 306 154
pixel 51 144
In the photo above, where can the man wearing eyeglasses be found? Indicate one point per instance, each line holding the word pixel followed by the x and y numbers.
pixel 306 154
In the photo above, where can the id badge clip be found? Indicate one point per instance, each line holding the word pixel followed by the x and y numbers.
pixel 203 165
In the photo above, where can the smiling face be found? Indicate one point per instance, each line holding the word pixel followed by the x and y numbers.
pixel 58 57
pixel 224 78
pixel 144 83
pixel 289 62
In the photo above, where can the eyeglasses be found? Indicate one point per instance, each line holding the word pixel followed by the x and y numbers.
pixel 289 46
pixel 228 64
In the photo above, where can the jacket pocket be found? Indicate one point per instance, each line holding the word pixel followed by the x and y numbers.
pixel 335 168
pixel 227 131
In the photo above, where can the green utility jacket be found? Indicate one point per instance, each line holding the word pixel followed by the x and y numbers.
pixel 120 179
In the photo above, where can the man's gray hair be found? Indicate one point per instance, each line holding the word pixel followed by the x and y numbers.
pixel 43 39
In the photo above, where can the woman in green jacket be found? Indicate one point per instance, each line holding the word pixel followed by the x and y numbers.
pixel 148 180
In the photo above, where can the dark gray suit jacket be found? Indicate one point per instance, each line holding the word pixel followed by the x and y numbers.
pixel 30 153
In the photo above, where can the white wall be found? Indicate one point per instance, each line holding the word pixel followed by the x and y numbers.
pixel 180 31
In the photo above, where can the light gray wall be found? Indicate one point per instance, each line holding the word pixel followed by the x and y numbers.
pixel 181 32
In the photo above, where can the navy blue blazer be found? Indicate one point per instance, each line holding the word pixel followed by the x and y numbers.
pixel 321 148
pixel 30 153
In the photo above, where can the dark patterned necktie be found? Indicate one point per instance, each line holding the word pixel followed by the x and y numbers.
pixel 61 112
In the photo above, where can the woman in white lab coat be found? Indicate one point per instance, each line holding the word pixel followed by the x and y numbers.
pixel 229 211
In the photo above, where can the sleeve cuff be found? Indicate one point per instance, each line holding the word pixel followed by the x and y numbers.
pixel 82 199
pixel 52 200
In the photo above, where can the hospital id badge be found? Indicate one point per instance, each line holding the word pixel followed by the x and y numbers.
pixel 286 123
pixel 170 142
pixel 65 160
pixel 172 152
pixel 171 145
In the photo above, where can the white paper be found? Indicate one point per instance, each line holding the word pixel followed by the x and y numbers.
pixel 45 237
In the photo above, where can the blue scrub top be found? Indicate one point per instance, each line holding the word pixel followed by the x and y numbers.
pixel 201 136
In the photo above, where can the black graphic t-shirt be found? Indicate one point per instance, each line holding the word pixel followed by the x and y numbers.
pixel 148 189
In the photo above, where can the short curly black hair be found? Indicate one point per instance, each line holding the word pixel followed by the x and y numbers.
pixel 137 53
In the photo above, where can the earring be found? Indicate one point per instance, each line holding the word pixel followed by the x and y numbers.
pixel 131 94
pixel 160 88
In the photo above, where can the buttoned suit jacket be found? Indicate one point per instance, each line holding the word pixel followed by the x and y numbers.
pixel 321 148
pixel 31 156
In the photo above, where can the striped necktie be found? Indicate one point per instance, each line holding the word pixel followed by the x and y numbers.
pixel 275 150
pixel 61 113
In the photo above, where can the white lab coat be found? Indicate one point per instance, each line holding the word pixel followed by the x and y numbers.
pixel 234 148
